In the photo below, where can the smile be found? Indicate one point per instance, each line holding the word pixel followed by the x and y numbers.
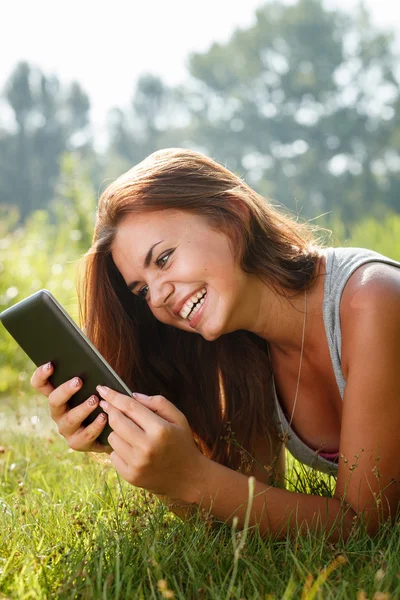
pixel 193 305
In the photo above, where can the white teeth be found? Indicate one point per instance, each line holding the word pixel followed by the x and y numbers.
pixel 194 311
pixel 187 307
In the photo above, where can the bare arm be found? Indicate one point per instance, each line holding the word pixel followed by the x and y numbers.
pixel 268 467
pixel 224 493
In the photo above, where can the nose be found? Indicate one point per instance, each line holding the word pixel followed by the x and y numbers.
pixel 160 292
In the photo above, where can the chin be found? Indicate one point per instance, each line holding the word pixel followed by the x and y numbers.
pixel 207 335
pixel 211 337
pixel 213 334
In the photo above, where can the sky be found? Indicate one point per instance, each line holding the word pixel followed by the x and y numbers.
pixel 106 45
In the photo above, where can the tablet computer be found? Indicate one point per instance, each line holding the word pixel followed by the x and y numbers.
pixel 46 333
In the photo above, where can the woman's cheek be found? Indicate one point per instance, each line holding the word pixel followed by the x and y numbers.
pixel 164 317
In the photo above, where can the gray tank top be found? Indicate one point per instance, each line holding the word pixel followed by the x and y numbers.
pixel 340 264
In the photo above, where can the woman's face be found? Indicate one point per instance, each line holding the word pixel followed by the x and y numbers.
pixel 187 257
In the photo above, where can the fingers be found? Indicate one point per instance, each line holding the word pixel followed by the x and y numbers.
pixel 121 466
pixel 142 415
pixel 163 407
pixel 39 379
pixel 146 411
pixel 119 445
pixel 84 438
pixel 69 421
pixel 121 401
pixel 59 397
pixel 124 424
pixel 72 419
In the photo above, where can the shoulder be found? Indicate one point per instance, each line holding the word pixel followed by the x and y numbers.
pixel 371 287
pixel 369 281
pixel 369 305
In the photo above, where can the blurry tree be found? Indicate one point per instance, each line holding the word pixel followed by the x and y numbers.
pixel 43 252
pixel 156 119
pixel 49 120
pixel 74 204
pixel 305 105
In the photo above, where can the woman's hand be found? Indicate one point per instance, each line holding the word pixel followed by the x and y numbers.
pixel 69 420
pixel 153 445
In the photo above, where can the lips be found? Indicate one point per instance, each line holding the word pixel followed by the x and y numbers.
pixel 178 307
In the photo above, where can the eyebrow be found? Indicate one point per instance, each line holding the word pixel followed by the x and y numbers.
pixel 146 264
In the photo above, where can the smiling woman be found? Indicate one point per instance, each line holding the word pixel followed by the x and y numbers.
pixel 207 229
pixel 246 335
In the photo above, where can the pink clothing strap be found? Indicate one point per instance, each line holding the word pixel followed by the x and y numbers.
pixel 329 455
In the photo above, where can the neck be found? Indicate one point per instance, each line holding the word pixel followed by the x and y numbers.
pixel 279 319
pixel 285 331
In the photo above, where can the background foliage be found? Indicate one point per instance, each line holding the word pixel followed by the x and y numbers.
pixel 304 104
pixel 43 253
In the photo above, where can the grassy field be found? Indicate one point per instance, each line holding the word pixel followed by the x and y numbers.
pixel 71 528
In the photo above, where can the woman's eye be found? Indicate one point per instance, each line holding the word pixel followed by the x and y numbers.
pixel 159 262
pixel 142 294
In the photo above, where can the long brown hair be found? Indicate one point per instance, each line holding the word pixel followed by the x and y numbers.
pixel 223 385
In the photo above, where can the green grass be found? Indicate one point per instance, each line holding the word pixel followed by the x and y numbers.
pixel 71 528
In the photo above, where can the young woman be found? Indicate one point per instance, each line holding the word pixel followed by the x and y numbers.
pixel 241 334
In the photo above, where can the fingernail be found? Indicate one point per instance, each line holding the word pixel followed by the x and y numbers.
pixel 92 400
pixel 47 367
pixel 103 404
pixel 75 382
pixel 103 416
pixel 140 396
pixel 102 389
